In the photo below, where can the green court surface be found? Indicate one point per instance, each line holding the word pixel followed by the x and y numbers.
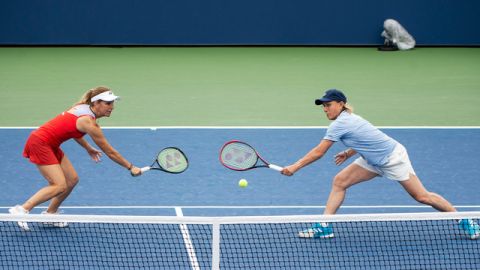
pixel 243 86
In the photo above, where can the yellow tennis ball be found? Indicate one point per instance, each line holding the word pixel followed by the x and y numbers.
pixel 243 183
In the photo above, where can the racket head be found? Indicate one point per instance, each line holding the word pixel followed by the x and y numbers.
pixel 238 156
pixel 172 160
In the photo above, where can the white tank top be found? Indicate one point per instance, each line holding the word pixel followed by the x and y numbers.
pixel 81 110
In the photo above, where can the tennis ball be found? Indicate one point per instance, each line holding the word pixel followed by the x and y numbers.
pixel 243 183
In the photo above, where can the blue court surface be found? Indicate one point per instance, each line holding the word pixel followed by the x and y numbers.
pixel 445 159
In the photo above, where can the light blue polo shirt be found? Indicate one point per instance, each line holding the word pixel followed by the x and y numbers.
pixel 357 133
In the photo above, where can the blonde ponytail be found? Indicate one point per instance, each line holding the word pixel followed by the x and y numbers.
pixel 347 107
pixel 87 97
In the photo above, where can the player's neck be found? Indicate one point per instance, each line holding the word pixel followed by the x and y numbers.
pixel 93 111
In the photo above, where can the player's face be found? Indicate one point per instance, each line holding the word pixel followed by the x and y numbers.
pixel 104 108
pixel 333 109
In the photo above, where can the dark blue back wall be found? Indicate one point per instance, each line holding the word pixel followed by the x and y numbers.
pixel 228 22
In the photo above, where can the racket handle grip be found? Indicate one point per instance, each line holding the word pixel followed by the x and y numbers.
pixel 142 170
pixel 275 167
pixel 145 169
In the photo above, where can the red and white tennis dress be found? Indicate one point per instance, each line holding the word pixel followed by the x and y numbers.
pixel 43 145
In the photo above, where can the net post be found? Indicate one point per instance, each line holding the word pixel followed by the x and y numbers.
pixel 215 246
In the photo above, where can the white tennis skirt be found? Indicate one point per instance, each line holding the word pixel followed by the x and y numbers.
pixel 398 166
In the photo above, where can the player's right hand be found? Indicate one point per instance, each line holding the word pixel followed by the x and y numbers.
pixel 135 171
pixel 288 171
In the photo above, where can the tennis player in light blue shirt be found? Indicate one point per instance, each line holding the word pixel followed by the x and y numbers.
pixel 357 133
pixel 379 155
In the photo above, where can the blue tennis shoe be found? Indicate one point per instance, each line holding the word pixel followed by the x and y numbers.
pixel 318 230
pixel 471 228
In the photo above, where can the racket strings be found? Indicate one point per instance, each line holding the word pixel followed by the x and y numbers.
pixel 172 160
pixel 239 156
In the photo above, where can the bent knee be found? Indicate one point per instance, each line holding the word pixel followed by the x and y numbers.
pixel 73 181
pixel 60 188
pixel 424 198
pixel 340 182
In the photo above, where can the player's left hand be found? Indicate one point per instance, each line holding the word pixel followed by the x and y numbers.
pixel 341 157
pixel 95 154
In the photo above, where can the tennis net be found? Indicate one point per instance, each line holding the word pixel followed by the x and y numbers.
pixel 379 241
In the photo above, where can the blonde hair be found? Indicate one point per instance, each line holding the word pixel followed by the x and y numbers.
pixel 87 97
pixel 347 107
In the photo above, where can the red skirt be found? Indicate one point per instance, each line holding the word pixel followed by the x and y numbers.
pixel 41 153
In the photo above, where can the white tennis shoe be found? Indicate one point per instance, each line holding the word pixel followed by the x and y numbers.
pixel 19 210
pixel 60 224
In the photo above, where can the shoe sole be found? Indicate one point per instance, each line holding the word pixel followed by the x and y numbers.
pixel 50 224
pixel 312 235
pixel 475 236
pixel 23 226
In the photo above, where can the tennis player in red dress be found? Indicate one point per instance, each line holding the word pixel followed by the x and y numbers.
pixel 43 149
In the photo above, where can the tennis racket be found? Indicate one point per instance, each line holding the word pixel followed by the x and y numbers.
pixel 170 160
pixel 240 156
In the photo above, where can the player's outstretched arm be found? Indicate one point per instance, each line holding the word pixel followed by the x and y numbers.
pixel 89 126
pixel 315 154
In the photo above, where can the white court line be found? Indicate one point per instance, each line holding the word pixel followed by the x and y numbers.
pixel 243 207
pixel 259 127
pixel 192 256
